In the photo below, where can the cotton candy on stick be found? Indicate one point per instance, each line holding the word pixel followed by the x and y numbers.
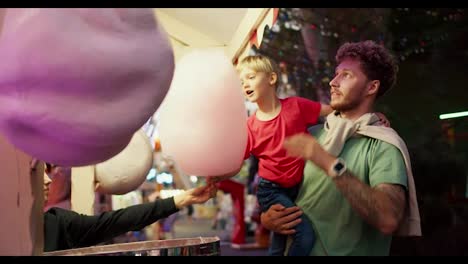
pixel 203 117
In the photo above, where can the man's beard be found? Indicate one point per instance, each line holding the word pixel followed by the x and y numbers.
pixel 346 105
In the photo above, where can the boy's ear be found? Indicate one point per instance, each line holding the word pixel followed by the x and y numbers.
pixel 273 78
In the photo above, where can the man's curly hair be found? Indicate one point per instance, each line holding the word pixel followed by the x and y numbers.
pixel 377 63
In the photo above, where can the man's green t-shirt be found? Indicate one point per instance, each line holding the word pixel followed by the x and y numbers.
pixel 339 229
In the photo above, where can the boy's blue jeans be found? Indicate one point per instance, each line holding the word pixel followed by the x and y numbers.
pixel 270 193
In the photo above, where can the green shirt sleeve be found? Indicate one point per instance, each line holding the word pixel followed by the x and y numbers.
pixel 386 165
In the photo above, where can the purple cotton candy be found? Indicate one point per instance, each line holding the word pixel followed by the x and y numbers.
pixel 76 84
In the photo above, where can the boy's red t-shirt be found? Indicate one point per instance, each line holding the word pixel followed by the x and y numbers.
pixel 265 140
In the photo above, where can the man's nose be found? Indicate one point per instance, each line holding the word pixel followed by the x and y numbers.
pixel 334 83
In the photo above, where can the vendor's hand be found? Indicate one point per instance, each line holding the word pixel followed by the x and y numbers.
pixel 383 119
pixel 195 196
pixel 280 219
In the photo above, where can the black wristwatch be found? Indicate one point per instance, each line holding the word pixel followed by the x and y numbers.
pixel 337 169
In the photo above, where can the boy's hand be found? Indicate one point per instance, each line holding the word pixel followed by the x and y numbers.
pixel 218 178
pixel 383 119
pixel 325 110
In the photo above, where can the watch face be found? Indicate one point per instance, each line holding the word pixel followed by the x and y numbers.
pixel 339 167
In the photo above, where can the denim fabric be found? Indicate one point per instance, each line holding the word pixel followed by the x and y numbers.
pixel 269 193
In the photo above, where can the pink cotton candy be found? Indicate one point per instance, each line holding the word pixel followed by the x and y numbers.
pixel 203 122
pixel 76 84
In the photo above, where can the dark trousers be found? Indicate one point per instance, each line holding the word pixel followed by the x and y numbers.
pixel 270 193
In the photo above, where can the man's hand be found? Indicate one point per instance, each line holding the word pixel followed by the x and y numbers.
pixel 305 146
pixel 195 196
pixel 280 219
pixel 300 145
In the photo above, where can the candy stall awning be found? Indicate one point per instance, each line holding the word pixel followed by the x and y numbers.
pixel 231 29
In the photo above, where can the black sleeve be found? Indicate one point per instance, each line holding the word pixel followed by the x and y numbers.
pixel 83 230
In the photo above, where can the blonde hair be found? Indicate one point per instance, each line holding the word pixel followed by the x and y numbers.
pixel 260 63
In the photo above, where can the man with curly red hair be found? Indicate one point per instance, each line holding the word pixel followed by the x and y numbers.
pixel 358 189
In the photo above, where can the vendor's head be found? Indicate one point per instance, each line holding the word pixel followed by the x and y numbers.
pixel 47 182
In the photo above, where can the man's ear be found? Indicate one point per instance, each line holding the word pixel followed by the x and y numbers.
pixel 273 78
pixel 373 87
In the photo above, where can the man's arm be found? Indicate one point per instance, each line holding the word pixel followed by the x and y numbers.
pixel 381 206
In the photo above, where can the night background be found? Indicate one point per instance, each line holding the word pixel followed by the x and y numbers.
pixel 431 46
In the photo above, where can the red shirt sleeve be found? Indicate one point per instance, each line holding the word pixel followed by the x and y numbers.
pixel 310 110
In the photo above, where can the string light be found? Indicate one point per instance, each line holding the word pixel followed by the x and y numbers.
pixel 453 115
